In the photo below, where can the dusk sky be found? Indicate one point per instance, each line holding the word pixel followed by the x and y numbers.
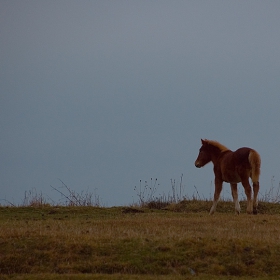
pixel 103 94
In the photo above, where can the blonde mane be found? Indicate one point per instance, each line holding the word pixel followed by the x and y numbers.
pixel 216 144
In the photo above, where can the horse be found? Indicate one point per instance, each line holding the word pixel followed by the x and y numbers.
pixel 232 167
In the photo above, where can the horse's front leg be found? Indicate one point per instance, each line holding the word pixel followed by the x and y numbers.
pixel 218 189
pixel 248 192
pixel 234 193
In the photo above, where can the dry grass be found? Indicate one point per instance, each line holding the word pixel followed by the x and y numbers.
pixel 57 241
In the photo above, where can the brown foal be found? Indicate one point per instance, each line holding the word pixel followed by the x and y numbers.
pixel 232 167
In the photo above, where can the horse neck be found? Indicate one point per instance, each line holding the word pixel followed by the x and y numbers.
pixel 215 153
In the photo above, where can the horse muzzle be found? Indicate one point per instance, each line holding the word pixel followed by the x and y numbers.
pixel 197 164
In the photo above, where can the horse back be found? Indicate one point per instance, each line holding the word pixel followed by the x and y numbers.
pixel 241 156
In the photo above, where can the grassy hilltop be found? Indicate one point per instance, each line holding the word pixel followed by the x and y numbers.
pixel 180 241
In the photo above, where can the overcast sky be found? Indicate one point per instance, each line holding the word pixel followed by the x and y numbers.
pixel 103 94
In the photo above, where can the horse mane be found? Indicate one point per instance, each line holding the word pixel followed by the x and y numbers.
pixel 216 144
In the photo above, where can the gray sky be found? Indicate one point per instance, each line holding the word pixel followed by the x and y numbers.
pixel 102 94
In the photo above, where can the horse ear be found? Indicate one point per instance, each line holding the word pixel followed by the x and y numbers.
pixel 202 141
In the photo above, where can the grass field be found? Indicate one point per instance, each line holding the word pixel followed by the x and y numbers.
pixel 179 242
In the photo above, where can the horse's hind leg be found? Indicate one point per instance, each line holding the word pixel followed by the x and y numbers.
pixel 218 189
pixel 248 192
pixel 235 198
pixel 256 188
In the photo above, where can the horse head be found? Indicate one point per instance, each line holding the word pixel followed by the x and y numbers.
pixel 204 155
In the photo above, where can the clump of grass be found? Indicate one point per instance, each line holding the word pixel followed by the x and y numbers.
pixel 147 197
pixel 146 192
pixel 273 193
pixel 71 197
pixel 34 198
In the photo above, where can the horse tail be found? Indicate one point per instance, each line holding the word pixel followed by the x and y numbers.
pixel 255 162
